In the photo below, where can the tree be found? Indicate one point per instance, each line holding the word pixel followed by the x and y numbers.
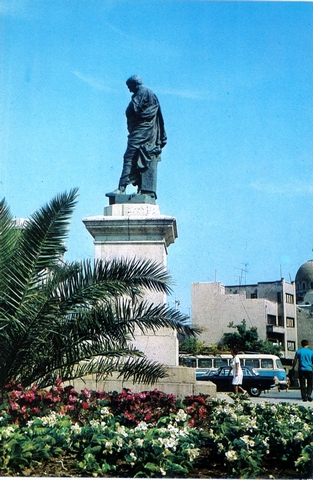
pixel 192 346
pixel 69 320
pixel 247 340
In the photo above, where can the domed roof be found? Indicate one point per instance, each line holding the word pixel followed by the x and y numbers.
pixel 305 273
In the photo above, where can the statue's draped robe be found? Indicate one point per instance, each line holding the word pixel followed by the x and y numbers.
pixel 146 139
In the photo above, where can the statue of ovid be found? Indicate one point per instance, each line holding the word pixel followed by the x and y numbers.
pixel 146 139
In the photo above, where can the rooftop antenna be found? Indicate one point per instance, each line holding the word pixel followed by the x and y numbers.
pixel 243 271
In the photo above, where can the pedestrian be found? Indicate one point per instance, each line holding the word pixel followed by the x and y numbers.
pixel 237 371
pixel 304 357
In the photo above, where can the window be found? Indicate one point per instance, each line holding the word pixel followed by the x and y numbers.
pixel 290 322
pixel 278 297
pixel 266 363
pixel 204 362
pixel 254 295
pixel 291 346
pixel 252 362
pixel 220 362
pixel 271 319
pixel 188 362
pixel 289 298
pixel 280 321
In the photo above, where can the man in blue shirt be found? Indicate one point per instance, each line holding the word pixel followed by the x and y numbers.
pixel 304 357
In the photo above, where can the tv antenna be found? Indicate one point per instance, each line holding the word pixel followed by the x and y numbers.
pixel 243 273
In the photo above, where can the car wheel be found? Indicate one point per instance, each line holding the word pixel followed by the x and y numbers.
pixel 255 391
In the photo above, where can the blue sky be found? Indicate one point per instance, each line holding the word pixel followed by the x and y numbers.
pixel 235 83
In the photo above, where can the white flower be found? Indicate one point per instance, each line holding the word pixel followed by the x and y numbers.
pixel 50 420
pixel 119 442
pixel 109 447
pixel 172 429
pixel 246 439
pixel 142 426
pixel 163 472
pixel 105 411
pixel 265 441
pixel 220 447
pixel 121 430
pixel 181 415
pixel 171 443
pixel 8 431
pixel 139 442
pixel 76 428
pixel 193 453
pixel 231 455
pixel 299 437
pixel 133 456
pixel 94 423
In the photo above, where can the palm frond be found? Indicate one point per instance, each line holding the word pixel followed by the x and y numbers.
pixel 40 246
pixel 70 320
pixel 8 237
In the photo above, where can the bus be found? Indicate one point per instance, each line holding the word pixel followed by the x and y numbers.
pixel 264 364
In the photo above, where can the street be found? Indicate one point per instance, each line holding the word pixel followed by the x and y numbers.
pixel 273 396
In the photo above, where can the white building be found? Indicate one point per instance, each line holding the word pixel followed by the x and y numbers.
pixel 268 306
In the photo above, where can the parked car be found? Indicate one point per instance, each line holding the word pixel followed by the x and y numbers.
pixel 209 371
pixel 254 383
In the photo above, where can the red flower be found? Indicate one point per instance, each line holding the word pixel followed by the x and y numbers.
pixel 29 396
pixel 129 416
pixel 15 394
pixel 14 406
pixel 191 422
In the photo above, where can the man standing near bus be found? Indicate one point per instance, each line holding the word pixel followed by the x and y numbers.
pixel 304 357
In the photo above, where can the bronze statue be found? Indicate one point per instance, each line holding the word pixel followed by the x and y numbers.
pixel 146 139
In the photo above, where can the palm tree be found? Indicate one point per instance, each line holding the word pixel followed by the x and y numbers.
pixel 69 320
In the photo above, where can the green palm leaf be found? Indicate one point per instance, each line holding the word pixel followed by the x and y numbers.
pixel 71 320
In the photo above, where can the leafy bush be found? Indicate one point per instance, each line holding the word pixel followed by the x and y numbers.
pixel 152 434
pixel 129 408
pixel 243 436
pixel 148 433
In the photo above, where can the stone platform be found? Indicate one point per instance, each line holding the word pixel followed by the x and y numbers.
pixel 132 227
pixel 180 382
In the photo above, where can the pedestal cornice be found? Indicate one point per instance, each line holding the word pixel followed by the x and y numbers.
pixel 132 228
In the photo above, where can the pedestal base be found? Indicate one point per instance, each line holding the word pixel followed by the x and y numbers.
pixel 138 230
pixel 181 382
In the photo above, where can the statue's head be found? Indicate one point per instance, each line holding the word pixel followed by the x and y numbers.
pixel 133 82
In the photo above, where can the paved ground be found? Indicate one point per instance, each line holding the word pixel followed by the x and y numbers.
pixel 273 396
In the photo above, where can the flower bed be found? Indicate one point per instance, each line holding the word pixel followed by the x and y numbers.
pixel 150 434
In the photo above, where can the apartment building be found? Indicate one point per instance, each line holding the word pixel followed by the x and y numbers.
pixel 268 306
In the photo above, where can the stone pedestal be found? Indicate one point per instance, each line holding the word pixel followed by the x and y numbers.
pixel 138 230
pixel 132 227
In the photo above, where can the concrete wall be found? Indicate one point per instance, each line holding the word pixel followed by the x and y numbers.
pixel 214 306
pixel 213 310
pixel 180 382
